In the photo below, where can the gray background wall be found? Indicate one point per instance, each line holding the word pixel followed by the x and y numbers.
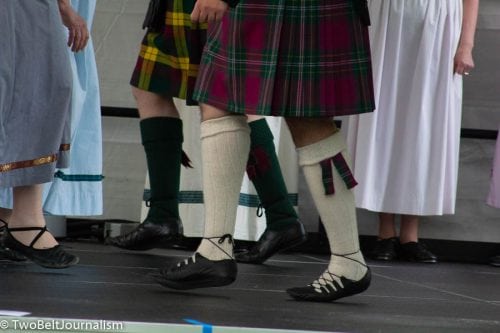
pixel 117 35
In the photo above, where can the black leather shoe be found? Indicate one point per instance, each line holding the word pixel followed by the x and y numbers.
pixel 7 253
pixel 271 242
pixel 416 252
pixel 54 257
pixel 495 261
pixel 331 291
pixel 385 249
pixel 148 235
pixel 198 272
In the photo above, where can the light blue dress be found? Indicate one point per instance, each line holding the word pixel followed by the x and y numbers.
pixel 77 190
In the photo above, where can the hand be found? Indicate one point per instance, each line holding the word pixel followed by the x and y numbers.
pixel 209 11
pixel 78 32
pixel 463 61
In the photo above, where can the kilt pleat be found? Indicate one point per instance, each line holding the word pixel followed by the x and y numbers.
pixel 292 58
pixel 168 60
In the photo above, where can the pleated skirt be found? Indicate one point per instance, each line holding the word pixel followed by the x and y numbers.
pixel 169 59
pixel 291 58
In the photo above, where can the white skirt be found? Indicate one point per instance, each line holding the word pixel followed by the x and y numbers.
pixel 249 226
pixel 405 154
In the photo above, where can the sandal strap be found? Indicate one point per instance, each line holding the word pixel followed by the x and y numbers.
pixel 41 230
pixel 4 224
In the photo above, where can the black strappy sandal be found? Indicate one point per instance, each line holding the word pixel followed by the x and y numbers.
pixel 332 288
pixel 54 257
pixel 7 253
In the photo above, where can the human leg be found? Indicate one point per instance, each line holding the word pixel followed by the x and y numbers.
pixel 323 159
pixel 225 144
pixel 6 253
pixel 27 235
pixel 387 245
pixel 411 249
pixel 161 132
pixel 5 214
pixel 283 229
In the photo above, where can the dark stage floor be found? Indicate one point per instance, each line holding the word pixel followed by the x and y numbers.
pixel 114 285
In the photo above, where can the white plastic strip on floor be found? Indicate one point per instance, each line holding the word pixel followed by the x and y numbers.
pixel 11 313
pixel 14 323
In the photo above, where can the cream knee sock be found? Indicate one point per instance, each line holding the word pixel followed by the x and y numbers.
pixel 225 145
pixel 337 211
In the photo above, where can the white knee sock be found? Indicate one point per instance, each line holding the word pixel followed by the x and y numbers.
pixel 337 211
pixel 225 145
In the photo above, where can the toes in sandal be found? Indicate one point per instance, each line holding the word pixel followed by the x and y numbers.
pixel 54 257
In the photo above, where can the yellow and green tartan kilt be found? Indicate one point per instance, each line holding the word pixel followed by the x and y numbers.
pixel 168 61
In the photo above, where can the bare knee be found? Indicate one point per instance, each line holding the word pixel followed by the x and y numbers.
pixel 306 131
pixel 154 105
pixel 209 112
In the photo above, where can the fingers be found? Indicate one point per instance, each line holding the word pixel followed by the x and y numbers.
pixel 463 68
pixel 78 38
pixel 208 11
pixel 79 34
pixel 71 37
pixel 195 15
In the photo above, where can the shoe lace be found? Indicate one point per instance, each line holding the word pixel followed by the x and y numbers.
pixel 192 259
pixel 221 240
pixel 330 279
pixel 187 261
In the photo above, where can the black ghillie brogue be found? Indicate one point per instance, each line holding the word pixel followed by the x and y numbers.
pixel 199 272
pixel 148 235
pixel 273 241
pixel 330 287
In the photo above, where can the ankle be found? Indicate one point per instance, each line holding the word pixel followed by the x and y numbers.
pixel 279 214
pixel 408 239
pixel 26 221
pixel 37 239
pixel 278 225
pixel 161 212
pixel 217 248
pixel 351 265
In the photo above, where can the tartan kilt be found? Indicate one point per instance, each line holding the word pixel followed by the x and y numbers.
pixel 168 60
pixel 290 58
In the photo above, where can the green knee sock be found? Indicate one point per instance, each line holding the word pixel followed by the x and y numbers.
pixel 162 139
pixel 264 171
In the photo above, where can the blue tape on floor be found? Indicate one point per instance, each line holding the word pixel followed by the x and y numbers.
pixel 207 328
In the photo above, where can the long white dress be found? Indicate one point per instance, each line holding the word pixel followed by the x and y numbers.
pixel 77 190
pixel 405 154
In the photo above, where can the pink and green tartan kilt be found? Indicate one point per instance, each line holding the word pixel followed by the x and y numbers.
pixel 291 58
pixel 168 61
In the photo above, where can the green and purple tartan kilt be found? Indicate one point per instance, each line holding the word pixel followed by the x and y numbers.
pixel 291 58
pixel 168 61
